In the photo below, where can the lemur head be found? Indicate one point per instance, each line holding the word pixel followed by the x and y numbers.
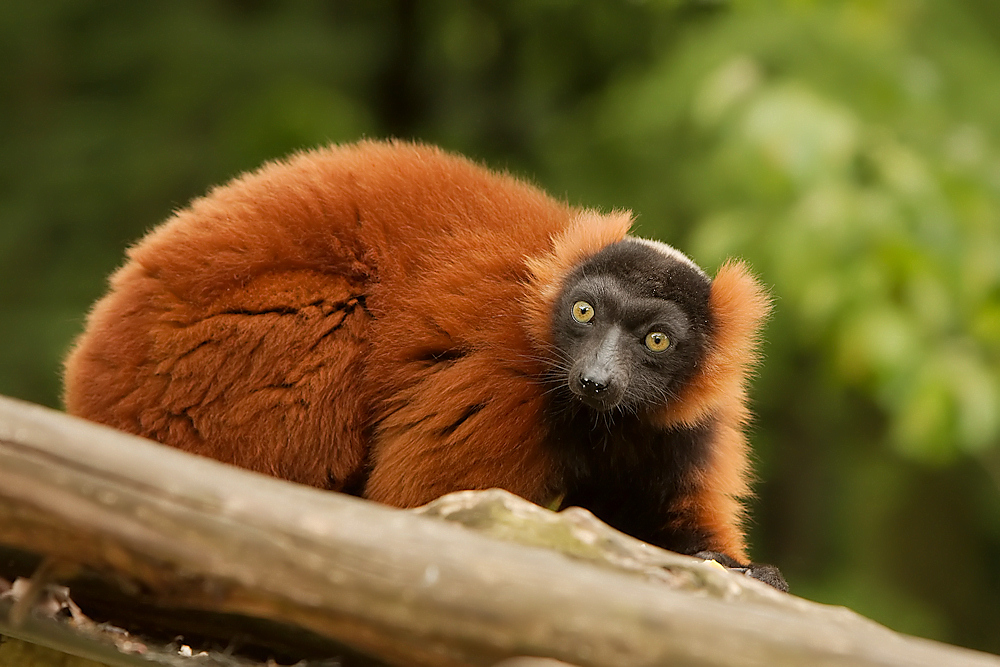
pixel 631 325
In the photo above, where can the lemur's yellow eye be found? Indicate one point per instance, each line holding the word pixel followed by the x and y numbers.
pixel 657 341
pixel 583 311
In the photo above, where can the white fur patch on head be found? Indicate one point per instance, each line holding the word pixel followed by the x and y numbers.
pixel 669 251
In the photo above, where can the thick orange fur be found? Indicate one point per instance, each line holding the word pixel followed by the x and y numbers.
pixel 380 308
pixel 739 306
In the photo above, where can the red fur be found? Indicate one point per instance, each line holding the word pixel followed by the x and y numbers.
pixel 290 321
pixel 739 307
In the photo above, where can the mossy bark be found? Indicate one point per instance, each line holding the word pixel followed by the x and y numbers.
pixel 16 653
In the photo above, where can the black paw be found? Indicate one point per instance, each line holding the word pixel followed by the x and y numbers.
pixel 769 574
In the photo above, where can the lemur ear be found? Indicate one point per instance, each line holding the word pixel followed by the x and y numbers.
pixel 739 305
pixel 588 234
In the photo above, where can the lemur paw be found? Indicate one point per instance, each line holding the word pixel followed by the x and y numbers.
pixel 769 574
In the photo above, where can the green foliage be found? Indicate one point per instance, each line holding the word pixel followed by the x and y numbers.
pixel 848 150
pixel 825 146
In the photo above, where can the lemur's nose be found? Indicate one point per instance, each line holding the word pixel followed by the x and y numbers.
pixel 592 386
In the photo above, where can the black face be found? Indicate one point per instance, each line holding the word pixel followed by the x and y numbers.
pixel 631 325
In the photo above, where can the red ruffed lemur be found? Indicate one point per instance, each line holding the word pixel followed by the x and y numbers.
pixel 392 321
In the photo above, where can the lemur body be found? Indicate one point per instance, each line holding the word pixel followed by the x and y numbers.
pixel 390 320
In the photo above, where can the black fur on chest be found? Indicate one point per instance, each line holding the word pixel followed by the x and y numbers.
pixel 630 474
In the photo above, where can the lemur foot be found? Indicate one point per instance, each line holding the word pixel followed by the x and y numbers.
pixel 769 574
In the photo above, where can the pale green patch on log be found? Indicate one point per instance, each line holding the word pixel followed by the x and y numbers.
pixel 16 653
pixel 579 534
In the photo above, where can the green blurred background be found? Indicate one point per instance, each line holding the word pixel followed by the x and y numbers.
pixel 848 150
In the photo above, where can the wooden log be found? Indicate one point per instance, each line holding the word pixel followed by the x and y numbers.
pixel 408 589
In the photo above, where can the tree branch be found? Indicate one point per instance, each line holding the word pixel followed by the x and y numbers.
pixel 401 587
